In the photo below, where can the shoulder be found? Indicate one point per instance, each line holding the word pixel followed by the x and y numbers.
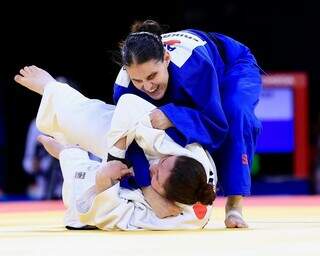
pixel 123 78
pixel 187 38
pixel 183 45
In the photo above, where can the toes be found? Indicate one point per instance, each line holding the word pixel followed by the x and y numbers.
pixel 33 68
pixel 27 69
pixel 18 78
pixel 23 72
pixel 230 223
pixel 235 222
pixel 242 224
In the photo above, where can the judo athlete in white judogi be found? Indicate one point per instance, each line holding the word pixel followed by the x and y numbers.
pixel 94 126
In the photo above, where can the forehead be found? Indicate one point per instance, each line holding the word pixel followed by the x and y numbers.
pixel 143 69
pixel 166 165
pixel 169 161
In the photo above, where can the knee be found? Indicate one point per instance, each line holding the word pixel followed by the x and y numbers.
pixel 127 98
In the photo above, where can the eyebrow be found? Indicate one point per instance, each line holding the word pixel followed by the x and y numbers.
pixel 152 74
pixel 157 176
pixel 148 77
pixel 161 162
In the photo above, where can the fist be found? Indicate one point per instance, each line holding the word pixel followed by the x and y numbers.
pixel 159 120
pixel 115 170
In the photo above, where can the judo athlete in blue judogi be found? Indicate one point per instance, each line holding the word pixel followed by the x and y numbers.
pixel 206 87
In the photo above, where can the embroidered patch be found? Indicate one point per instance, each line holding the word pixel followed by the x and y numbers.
pixel 80 175
pixel 172 42
pixel 244 159
pixel 200 210
pixel 181 45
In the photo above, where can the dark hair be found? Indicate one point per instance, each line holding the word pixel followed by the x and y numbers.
pixel 188 184
pixel 143 43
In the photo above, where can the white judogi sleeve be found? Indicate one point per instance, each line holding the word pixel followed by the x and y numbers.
pixel 115 208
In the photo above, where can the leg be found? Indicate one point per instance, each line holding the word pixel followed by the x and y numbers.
pixel 234 173
pixel 66 114
pixel 107 173
pixel 51 145
pixel 240 94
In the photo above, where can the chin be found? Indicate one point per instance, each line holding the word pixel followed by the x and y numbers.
pixel 158 96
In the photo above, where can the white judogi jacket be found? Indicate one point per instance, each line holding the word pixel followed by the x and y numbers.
pixel 95 126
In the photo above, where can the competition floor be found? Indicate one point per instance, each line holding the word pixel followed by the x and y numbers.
pixel 278 226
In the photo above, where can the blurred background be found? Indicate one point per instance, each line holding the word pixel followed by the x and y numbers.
pixel 74 42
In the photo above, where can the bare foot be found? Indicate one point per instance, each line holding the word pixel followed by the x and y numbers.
pixel 52 146
pixel 34 78
pixel 234 218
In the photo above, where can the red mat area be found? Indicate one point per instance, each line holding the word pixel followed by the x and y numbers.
pixel 38 206
pixel 277 201
pixel 27 206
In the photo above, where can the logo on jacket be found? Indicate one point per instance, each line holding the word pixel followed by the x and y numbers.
pixel 244 159
pixel 169 44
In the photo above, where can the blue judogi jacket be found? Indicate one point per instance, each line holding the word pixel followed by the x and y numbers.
pixel 199 65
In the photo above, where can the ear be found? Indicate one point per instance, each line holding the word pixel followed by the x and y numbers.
pixel 166 58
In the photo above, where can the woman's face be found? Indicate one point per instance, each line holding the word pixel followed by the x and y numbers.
pixel 160 172
pixel 151 77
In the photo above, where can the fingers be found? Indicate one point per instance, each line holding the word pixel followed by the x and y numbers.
pixel 126 172
pixel 117 164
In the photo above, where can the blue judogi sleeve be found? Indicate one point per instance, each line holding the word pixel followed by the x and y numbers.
pixel 205 122
pixel 140 165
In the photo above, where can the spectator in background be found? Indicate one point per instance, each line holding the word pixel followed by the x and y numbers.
pixel 2 146
pixel 42 167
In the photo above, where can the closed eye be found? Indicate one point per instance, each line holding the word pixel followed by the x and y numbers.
pixel 136 80
pixel 152 76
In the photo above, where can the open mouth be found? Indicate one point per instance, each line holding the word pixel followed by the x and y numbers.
pixel 153 91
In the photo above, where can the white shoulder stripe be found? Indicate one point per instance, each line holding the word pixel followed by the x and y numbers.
pixel 123 78
pixel 180 45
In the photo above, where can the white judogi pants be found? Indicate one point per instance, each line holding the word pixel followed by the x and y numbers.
pixel 72 118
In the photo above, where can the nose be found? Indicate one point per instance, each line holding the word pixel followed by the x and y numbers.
pixel 149 86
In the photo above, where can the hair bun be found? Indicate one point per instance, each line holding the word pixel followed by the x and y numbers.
pixel 147 26
pixel 206 194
